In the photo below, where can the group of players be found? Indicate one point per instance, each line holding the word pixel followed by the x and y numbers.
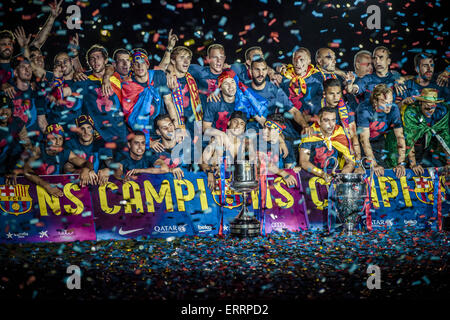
pixel 124 117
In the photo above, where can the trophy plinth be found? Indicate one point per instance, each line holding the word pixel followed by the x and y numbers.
pixel 244 180
pixel 350 193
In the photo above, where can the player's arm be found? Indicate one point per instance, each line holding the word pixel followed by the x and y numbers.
pixel 309 167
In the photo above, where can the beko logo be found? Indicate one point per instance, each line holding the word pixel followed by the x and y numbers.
pixel 202 228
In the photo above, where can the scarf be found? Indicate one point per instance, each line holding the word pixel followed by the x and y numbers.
pixel 195 99
pixel 298 82
pixel 338 140
pixel 343 115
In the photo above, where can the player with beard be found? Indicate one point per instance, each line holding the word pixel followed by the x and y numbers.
pixel 51 157
pixel 137 160
pixel 65 101
pixel 243 69
pixel 376 118
pixel 36 44
pixel 28 107
pixel 105 110
pixel 423 122
pixel 328 140
pixel 13 138
pixel 275 101
pixel 6 51
pixel 424 66
pixel 171 155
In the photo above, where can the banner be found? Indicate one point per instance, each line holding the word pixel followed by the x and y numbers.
pixel 29 214
pixel 407 201
pixel 159 206
pixel 156 206
pixel 285 208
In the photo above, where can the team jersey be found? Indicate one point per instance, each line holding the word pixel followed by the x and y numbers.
pixel 218 113
pixel 95 152
pixel 105 111
pixel 379 123
pixel 48 164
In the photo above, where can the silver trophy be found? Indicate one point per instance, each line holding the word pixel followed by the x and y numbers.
pixel 244 180
pixel 350 195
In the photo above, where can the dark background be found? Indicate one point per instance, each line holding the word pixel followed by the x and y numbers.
pixel 407 27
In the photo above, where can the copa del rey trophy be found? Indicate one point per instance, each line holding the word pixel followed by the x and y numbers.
pixel 244 180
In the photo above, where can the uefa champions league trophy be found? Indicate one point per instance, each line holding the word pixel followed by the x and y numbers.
pixel 244 180
pixel 350 196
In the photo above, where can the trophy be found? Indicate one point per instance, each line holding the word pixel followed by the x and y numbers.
pixel 350 195
pixel 244 180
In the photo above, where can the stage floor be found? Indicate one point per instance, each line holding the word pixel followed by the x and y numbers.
pixel 308 265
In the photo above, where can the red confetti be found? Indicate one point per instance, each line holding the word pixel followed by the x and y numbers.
pixel 110 145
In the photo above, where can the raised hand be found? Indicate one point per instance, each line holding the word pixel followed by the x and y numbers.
pixel 55 8
pixel 21 37
pixel 172 40
pixel 442 79
pixel 74 45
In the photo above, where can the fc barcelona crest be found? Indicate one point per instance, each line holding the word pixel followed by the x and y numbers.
pixel 232 198
pixel 15 199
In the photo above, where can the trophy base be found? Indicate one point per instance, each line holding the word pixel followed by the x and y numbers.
pixel 349 228
pixel 245 227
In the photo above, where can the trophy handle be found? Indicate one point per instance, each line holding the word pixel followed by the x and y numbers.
pixel 335 164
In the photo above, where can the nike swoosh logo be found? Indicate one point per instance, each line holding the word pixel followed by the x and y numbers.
pixel 123 232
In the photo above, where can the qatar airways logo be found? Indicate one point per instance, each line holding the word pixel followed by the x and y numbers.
pixel 170 229
pixel 387 222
